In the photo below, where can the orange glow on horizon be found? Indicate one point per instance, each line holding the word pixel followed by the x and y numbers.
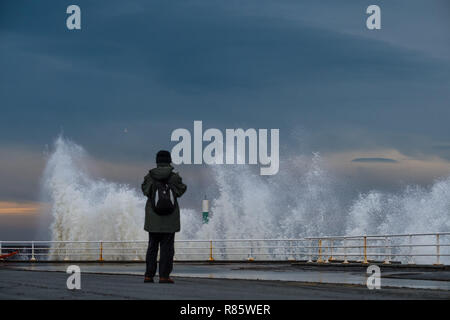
pixel 16 208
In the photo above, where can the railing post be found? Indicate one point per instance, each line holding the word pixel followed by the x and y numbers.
pixel 326 257
pixel 175 252
pixel 365 250
pixel 438 251
pixel 319 258
pixel 331 242
pixel 386 251
pixel 345 251
pixel 211 251
pixel 291 250
pixel 310 251
pixel 136 258
pixel 411 258
pixel 360 249
pixel 100 258
pixel 32 251
pixel 66 257
pixel 250 256
pixel 326 254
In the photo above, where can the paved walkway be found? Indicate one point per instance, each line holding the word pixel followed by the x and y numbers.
pixel 391 276
pixel 19 284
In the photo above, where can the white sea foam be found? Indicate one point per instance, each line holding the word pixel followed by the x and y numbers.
pixel 300 201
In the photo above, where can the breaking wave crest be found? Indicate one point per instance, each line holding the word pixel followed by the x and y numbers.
pixel 302 201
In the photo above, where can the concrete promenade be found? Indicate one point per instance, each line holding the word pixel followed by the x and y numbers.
pixel 222 281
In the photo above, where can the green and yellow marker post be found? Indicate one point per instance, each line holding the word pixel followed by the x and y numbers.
pixel 205 210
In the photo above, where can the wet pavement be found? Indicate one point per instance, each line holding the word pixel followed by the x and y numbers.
pixel 19 284
pixel 391 276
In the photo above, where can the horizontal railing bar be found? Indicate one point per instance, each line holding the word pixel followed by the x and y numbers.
pixel 379 235
pixel 349 238
pixel 314 248
pixel 234 248
pixel 290 246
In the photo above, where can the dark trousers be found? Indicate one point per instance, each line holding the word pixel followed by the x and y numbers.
pixel 166 241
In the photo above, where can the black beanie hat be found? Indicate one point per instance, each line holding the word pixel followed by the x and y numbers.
pixel 163 156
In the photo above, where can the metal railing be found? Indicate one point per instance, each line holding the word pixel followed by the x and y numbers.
pixel 423 248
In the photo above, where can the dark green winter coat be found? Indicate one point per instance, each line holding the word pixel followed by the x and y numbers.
pixel 153 221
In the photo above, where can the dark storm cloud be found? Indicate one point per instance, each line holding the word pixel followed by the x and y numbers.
pixel 153 66
pixel 146 62
pixel 442 147
pixel 198 49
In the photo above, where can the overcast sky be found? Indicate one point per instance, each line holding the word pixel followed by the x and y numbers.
pixel 375 104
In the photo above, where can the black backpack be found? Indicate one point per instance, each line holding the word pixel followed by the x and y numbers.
pixel 163 199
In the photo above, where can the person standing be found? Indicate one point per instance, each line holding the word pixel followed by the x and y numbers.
pixel 162 187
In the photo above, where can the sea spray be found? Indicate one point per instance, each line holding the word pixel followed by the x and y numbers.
pixel 85 209
pixel 302 200
pixel 289 205
pixel 415 210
